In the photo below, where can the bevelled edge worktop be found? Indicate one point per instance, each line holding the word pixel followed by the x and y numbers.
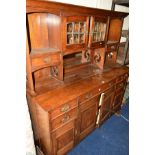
pixel 54 98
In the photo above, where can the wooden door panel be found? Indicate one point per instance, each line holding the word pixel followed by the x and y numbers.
pixel 64 138
pixel 88 118
pixel 106 106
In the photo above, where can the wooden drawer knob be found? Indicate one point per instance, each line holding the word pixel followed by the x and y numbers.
pixel 65 108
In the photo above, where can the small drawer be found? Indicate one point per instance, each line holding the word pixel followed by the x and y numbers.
pixel 43 61
pixel 120 78
pixel 96 91
pixel 64 108
pixel 63 119
pixel 108 92
pixel 120 85
pixel 85 97
pixel 112 47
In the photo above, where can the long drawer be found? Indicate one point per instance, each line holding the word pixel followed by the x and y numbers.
pixel 98 90
pixel 64 108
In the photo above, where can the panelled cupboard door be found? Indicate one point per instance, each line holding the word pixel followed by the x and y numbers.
pixel 88 115
pixel 106 106
pixel 115 29
pixel 118 99
pixel 63 139
pixel 75 33
pixel 98 31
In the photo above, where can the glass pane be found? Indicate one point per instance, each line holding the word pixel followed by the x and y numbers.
pixel 102 36
pixel 94 37
pixel 69 39
pixel 82 38
pixel 101 27
pixel 98 36
pixel 69 27
pixel 76 26
pixel 96 27
pixel 76 39
pixel 82 27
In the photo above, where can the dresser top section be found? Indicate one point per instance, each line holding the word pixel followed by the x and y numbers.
pixel 65 93
pixel 63 9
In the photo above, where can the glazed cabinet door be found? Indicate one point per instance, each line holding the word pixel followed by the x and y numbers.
pixel 87 118
pixel 98 31
pixel 63 139
pixel 75 33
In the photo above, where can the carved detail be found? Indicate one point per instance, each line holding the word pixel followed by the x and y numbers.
pixel 54 71
pixel 87 55
pixel 97 58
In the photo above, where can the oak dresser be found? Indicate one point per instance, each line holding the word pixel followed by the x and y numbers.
pixel 73 81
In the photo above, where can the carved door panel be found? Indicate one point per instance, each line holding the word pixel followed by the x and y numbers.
pixel 64 138
pixel 118 100
pixel 88 114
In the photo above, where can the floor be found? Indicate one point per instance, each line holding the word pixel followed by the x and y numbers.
pixel 112 138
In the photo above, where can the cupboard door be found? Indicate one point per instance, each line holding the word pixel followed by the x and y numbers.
pixel 118 100
pixel 88 112
pixel 98 31
pixel 64 138
pixel 115 29
pixel 106 106
pixel 75 33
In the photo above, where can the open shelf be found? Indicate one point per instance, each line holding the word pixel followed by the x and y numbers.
pixel 40 52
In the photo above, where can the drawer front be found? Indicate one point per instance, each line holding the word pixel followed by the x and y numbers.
pixel 96 91
pixel 64 108
pixel 63 119
pixel 108 93
pixel 122 77
pixel 112 47
pixel 120 85
pixel 53 59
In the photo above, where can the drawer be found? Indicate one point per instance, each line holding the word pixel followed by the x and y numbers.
pixel 120 85
pixel 64 108
pixel 96 91
pixel 112 47
pixel 46 60
pixel 108 92
pixel 63 119
pixel 122 77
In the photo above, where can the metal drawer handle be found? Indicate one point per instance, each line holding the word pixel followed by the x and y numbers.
pixel 88 96
pixel 112 47
pixel 110 84
pixel 121 84
pixel 65 108
pixel 65 118
pixel 100 43
pixel 46 60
